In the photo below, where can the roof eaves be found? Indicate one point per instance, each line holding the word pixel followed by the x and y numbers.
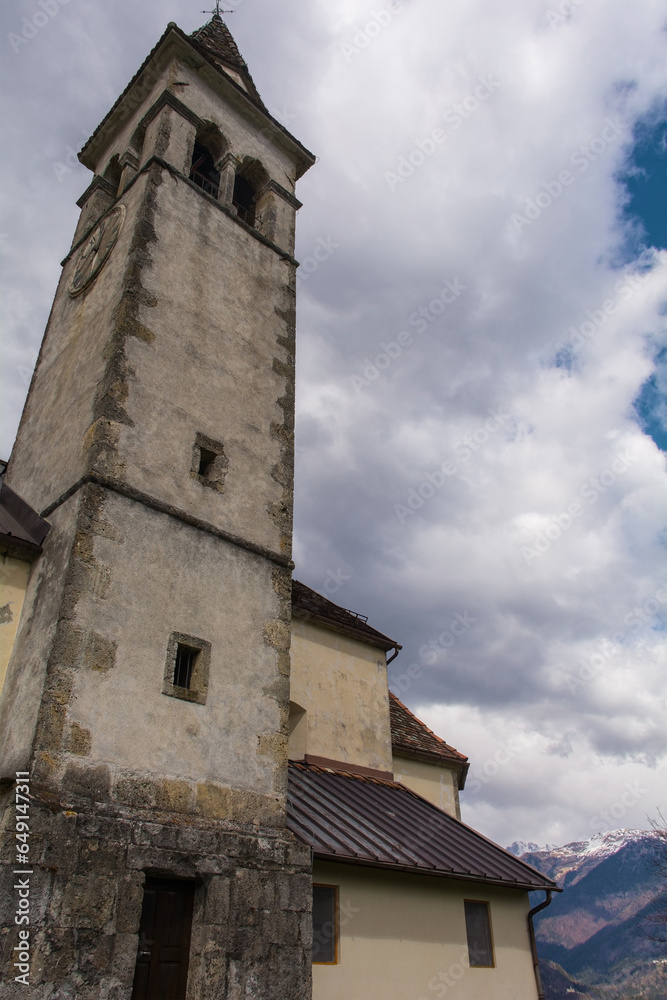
pixel 21 527
pixel 459 764
pixel 382 642
pixel 18 548
pixel 436 872
pixel 309 605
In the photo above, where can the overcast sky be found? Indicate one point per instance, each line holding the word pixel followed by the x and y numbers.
pixel 481 401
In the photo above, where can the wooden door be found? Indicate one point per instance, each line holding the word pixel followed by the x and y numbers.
pixel 164 940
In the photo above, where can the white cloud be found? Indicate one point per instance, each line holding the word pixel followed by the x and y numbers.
pixel 493 348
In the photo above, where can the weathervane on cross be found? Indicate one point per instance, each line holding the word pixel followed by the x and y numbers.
pixel 217 12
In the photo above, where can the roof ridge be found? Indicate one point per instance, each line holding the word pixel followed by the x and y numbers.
pixel 306 765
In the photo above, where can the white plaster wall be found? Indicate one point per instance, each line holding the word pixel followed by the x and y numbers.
pixel 437 784
pixel 210 367
pixel 14 575
pixel 342 684
pixel 49 457
pixel 167 577
pixel 401 936
pixel 22 691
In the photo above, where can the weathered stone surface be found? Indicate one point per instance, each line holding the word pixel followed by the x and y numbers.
pixel 251 924
pixel 183 342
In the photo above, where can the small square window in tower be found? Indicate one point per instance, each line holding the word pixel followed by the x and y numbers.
pixel 478 930
pixel 209 463
pixel 164 940
pixel 187 668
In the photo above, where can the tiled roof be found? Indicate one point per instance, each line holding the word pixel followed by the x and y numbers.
pixel 21 527
pixel 216 41
pixel 310 605
pixel 369 821
pixel 410 737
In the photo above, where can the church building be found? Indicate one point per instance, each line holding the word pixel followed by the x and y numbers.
pixel 206 788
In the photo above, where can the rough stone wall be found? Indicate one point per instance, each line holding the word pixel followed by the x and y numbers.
pixel 251 934
pixel 186 334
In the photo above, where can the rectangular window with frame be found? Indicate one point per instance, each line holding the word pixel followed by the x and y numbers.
pixel 478 930
pixel 325 925
pixel 185 661
pixel 187 668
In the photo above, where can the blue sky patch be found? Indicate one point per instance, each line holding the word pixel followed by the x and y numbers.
pixel 645 181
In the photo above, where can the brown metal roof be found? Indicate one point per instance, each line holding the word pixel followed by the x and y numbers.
pixel 310 605
pixel 368 821
pixel 410 737
pixel 21 527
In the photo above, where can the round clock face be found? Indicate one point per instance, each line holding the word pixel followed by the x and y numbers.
pixel 96 250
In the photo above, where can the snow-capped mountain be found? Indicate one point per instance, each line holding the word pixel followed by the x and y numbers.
pixel 580 856
pixel 598 932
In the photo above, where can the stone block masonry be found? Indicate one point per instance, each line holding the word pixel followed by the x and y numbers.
pixel 251 924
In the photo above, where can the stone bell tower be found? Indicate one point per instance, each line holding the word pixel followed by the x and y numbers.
pixel 148 689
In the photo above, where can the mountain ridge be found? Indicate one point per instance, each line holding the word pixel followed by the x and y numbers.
pixel 597 933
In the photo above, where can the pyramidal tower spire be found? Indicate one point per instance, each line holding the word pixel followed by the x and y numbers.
pixel 217 41
pixel 147 693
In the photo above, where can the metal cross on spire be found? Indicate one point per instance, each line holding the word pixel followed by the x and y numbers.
pixel 217 12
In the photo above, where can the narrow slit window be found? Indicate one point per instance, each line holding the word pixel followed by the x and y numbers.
pixel 325 925
pixel 185 662
pixel 206 462
pixel 243 200
pixel 478 930
pixel 203 171
pixel 209 463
